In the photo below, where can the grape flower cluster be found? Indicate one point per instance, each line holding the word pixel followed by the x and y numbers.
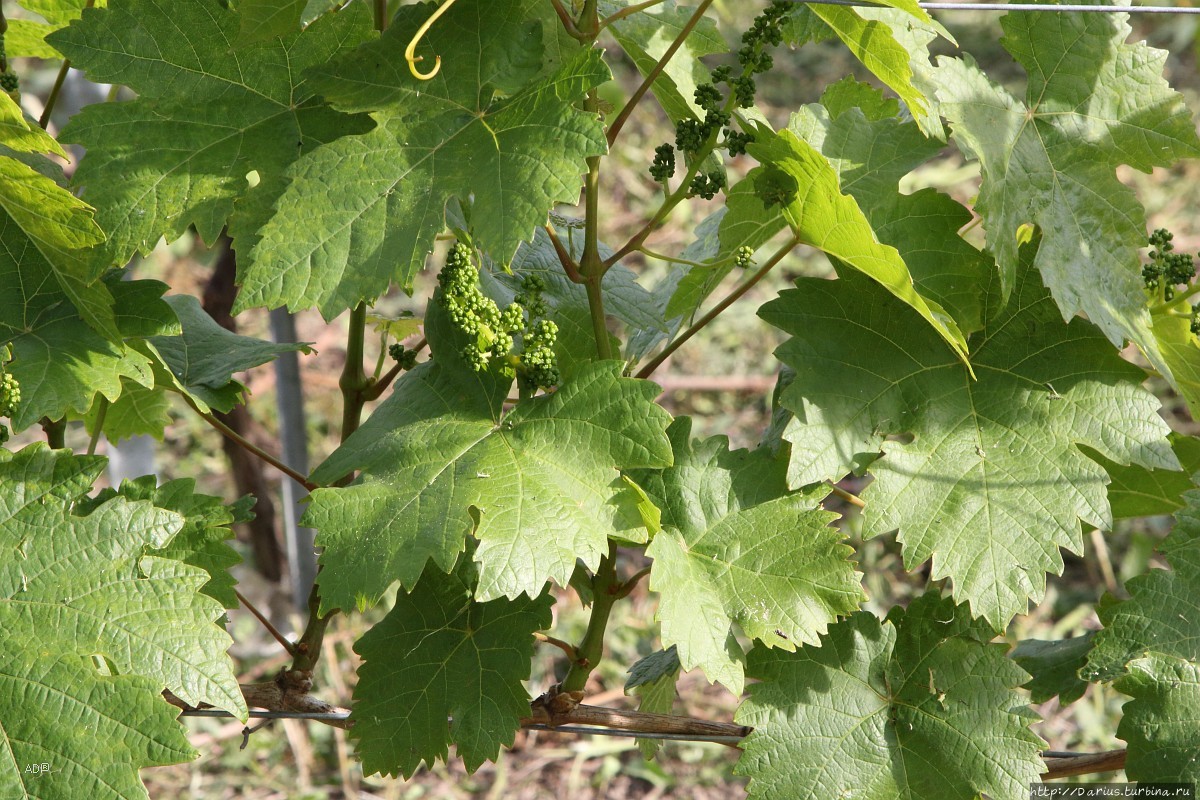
pixel 1169 270
pixel 693 136
pixel 406 358
pixel 10 393
pixel 493 334
pixel 8 80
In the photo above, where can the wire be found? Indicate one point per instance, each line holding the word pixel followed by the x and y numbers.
pixel 332 716
pixel 579 729
pixel 677 737
pixel 1035 7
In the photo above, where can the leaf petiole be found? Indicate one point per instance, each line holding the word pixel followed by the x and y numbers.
pixel 729 300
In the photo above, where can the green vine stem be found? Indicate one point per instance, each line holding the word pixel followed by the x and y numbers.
pixel 564 256
pixel 355 385
pixel 672 200
pixel 565 18
pixel 629 12
pixel 250 447
pixel 591 266
pixel 614 130
pixel 101 413
pixel 56 433
pixel 1176 302
pixel 588 23
pixel 674 260
pixel 354 381
pixel 56 90
pixel 729 300
pixel 606 589
pixel 375 388
pixel 266 623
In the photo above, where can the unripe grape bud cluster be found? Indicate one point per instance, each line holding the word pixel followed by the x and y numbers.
pixel 1168 270
pixel 8 80
pixel 493 334
pixel 693 136
pixel 10 393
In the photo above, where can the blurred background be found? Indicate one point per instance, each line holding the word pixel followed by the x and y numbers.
pixel 723 378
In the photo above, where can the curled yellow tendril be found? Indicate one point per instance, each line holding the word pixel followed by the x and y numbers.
pixel 410 52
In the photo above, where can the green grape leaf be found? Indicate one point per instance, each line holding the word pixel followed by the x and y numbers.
pixel 1092 103
pixel 737 548
pixel 438 655
pixel 1054 666
pixel 686 288
pixel 19 134
pixel 624 298
pixel 60 362
pixel 538 484
pixel 499 129
pixel 265 19
pixel 1162 613
pixel 205 120
pixel 652 680
pixel 983 476
pixel 870 149
pixel 919 706
pixel 125 724
pixel 821 216
pixel 203 540
pixel 399 328
pixel 97 588
pixel 204 357
pixel 1180 350
pixel 893 43
pixel 645 37
pixel 140 410
pixel 28 38
pixel 49 227
pixel 1136 491
pixel 1162 721
pixel 652 669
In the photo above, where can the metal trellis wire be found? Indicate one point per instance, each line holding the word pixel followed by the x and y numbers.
pixel 1035 7
pixel 577 729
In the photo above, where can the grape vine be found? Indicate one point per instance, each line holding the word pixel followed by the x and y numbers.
pixel 954 385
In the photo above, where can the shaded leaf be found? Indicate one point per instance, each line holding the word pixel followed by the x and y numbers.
pixel 1162 721
pixel 645 37
pixel 264 19
pixel 1054 667
pixel 203 358
pixel 652 680
pixel 498 129
pixel 59 360
pixel 1136 491
pixel 182 154
pixel 1092 102
pixel 919 706
pixel 1162 614
pixel 805 184
pixel 987 479
pixel 441 655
